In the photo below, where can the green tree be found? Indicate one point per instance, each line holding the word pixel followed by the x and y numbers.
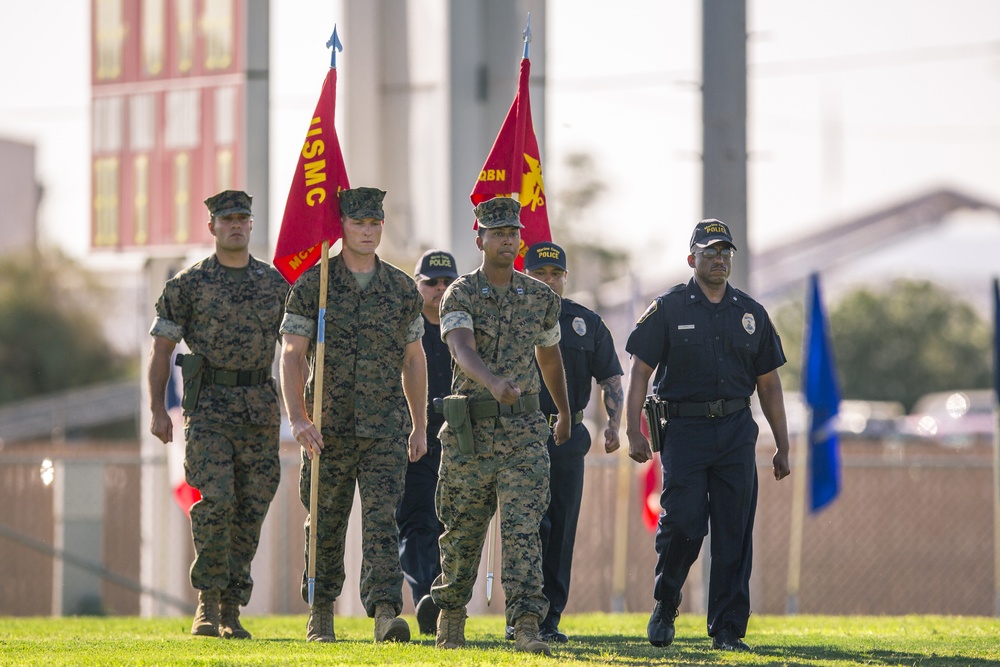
pixel 897 345
pixel 50 334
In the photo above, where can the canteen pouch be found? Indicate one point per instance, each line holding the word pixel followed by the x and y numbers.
pixel 456 413
pixel 191 372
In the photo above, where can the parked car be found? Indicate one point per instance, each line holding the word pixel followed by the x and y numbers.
pixel 875 419
pixel 954 418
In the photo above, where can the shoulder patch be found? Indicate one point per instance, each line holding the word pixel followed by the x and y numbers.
pixel 649 311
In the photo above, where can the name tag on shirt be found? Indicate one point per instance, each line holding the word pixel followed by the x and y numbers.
pixel 682 327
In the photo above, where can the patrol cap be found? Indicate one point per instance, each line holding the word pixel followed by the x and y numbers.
pixel 228 202
pixel 499 212
pixel 544 253
pixel 361 203
pixel 711 231
pixel 435 264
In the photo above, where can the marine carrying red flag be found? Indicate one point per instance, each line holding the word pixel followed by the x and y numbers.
pixel 514 166
pixel 312 212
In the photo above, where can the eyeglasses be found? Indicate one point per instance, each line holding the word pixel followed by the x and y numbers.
pixel 712 253
pixel 433 282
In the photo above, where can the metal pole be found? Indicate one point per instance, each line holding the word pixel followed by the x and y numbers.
pixel 724 133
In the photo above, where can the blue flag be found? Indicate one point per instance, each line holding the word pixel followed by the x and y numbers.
pixel 819 378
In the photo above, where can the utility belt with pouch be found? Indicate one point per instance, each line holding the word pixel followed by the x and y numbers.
pixel 456 412
pixel 192 366
pixel 196 372
pixel 459 412
pixel 655 410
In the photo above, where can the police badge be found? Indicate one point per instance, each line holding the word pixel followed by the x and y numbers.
pixel 749 323
pixel 579 326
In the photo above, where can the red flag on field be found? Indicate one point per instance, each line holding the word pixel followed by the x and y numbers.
pixel 514 168
pixel 185 495
pixel 312 212
pixel 649 486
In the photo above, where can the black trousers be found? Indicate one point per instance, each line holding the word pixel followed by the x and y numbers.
pixel 418 524
pixel 558 527
pixel 709 480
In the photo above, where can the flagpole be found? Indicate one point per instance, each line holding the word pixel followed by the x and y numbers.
pixel 324 271
pixel 996 448
pixel 527 37
pixel 798 521
pixel 490 548
pixel 521 126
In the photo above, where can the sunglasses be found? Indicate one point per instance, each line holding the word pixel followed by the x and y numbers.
pixel 433 282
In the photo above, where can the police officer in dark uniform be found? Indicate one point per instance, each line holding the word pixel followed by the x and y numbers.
pixel 588 352
pixel 416 518
pixel 711 346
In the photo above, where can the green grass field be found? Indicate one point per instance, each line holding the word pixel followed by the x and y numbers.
pixel 930 641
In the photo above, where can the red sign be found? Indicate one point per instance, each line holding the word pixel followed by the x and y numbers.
pixel 168 118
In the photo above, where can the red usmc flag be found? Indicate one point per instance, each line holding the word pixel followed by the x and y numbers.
pixel 312 212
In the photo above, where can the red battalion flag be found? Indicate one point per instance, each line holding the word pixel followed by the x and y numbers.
pixel 649 486
pixel 514 167
pixel 312 212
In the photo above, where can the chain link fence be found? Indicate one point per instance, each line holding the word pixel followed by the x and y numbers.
pixel 911 533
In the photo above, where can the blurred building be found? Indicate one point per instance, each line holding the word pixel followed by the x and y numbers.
pixel 21 195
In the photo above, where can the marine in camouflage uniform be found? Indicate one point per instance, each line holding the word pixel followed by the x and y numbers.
pixel 494 320
pixel 374 379
pixel 227 309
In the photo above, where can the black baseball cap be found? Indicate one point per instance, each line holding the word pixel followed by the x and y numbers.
pixel 709 232
pixel 435 264
pixel 544 253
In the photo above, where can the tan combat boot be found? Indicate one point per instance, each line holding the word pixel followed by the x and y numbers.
pixel 229 622
pixel 526 635
pixel 388 626
pixel 451 628
pixel 206 618
pixel 320 625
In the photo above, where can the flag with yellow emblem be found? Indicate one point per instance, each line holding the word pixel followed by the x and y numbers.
pixel 514 168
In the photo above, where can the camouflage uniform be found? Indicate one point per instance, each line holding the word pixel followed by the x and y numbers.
pixel 231 450
pixel 366 421
pixel 511 461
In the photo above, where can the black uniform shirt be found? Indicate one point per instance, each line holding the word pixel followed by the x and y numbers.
pixel 704 351
pixel 588 351
pixel 438 375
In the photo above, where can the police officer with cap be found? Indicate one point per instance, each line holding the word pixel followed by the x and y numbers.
pixel 588 352
pixel 418 524
pixel 711 346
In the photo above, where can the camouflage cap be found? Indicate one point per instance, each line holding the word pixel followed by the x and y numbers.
pixel 435 264
pixel 709 232
pixel 544 253
pixel 499 212
pixel 360 203
pixel 229 201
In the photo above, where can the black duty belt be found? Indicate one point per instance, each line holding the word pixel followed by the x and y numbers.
pixel 486 409
pixel 236 378
pixel 719 408
pixel 577 419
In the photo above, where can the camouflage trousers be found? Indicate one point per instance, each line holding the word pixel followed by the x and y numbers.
pixel 378 467
pixel 237 471
pixel 510 464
